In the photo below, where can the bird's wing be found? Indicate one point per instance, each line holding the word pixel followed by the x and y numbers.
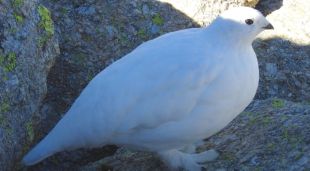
pixel 156 83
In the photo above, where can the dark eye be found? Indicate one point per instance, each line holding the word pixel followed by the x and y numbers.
pixel 249 21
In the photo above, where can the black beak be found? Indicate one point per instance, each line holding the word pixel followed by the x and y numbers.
pixel 268 27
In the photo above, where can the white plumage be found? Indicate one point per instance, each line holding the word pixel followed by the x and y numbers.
pixel 168 93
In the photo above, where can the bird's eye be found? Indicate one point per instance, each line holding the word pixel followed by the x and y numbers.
pixel 249 21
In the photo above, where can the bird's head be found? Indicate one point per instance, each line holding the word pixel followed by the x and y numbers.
pixel 242 23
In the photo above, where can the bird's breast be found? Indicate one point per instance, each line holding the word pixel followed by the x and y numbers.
pixel 229 94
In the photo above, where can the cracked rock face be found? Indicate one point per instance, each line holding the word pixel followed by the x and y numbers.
pixel 25 60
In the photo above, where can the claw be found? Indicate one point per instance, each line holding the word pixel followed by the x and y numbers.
pixel 190 162
pixel 206 156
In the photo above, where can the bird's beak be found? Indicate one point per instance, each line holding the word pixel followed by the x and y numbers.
pixel 268 27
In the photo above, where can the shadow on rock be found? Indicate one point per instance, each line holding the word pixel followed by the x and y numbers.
pixel 284 69
pixel 268 6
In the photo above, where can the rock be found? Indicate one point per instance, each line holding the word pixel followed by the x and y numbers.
pixel 86 10
pixel 284 53
pixel 145 9
pixel 268 6
pixel 28 49
pixel 203 12
pixel 271 69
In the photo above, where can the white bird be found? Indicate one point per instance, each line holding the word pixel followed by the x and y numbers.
pixel 167 94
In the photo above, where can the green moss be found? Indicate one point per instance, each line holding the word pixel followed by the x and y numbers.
pixel 87 38
pixel 228 156
pixel 80 58
pixel 4 107
pixel 4 123
pixel 13 30
pixel 142 33
pixel 293 139
pixel 257 168
pixel 2 120
pixel 158 20
pixel 266 120
pixel 42 40
pixel 277 103
pixel 9 63
pixel 9 131
pixel 123 39
pixel 271 146
pixel 247 113
pixel 64 11
pixel 46 21
pixel 90 76
pixel 298 155
pixel 284 118
pixel 30 131
pixel 17 3
pixel 2 58
pixel 253 120
pixel 18 18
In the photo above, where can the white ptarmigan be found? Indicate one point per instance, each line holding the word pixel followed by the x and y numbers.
pixel 166 94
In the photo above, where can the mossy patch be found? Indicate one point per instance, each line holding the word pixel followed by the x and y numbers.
pixel 18 18
pixel 142 34
pixel 158 20
pixel 266 120
pixel 17 3
pixel 30 131
pixel 46 23
pixel 228 156
pixel 2 59
pixel 64 11
pixel 292 138
pixel 8 62
pixel 11 62
pixel 277 103
pixel 271 146
pixel 42 40
pixel 4 108
pixel 2 120
pixel 80 58
pixel 90 76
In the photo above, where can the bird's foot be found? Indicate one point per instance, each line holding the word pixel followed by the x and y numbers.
pixel 192 147
pixel 176 159
pixel 205 156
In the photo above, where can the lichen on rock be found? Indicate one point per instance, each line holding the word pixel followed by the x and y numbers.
pixel 23 71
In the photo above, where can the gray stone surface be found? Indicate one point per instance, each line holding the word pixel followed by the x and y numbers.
pixel 25 60
pixel 204 11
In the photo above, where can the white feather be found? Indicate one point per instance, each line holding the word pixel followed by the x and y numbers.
pixel 169 92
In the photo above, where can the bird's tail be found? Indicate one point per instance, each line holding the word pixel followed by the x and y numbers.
pixel 44 149
pixel 69 133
